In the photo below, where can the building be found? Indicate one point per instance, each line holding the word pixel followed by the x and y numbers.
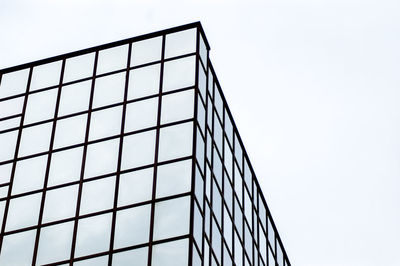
pixel 127 154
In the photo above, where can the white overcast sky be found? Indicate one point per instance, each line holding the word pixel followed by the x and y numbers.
pixel 313 85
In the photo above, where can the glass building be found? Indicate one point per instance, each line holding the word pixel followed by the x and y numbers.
pixel 127 154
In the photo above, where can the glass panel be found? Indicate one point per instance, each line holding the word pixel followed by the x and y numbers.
pixel 3 191
pixel 70 131
pixel 263 246
pixel 112 59
pixel 227 228
pixel 138 149
pixel 179 73
pixel 97 195
pixel 238 217
pixel 141 114
pixel 35 139
pixel 248 241
pixel 271 259
pixel 174 178
pixel 65 166
pixel 228 194
pixel 79 67
pixel 55 243
pixel 173 253
pixel 171 218
pixel 217 203
pixel 137 256
pixel 46 75
pixel 202 83
pixel 60 203
pixel 7 143
pixel 196 257
pixel 238 251
pixel 2 207
pixel 262 213
pixel 99 261
pixel 11 107
pixel 5 172
pixel 105 123
pixel 10 123
pixel 199 188
pixel 75 98
pixel 203 51
pixel 218 134
pixel 180 43
pixel 248 210
pixel 13 83
pixel 40 106
pixel 271 234
pixel 146 51
pixel 228 128
pixel 18 249
pixel 198 226
pixel 132 226
pixel 279 254
pixel 201 115
pixel 247 175
pixel 175 141
pixel 93 235
pixel 218 103
pixel 109 90
pixel 135 187
pixel 210 84
pixel 238 152
pixel 23 212
pixel 216 240
pixel 102 158
pixel 144 81
pixel 177 106
pixel 29 174
pixel 217 167
pixel 238 184
pixel 228 158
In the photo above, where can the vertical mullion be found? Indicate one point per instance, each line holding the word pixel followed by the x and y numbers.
pixel 119 156
pixel 150 251
pixel 78 203
pixel 17 144
pixel 46 177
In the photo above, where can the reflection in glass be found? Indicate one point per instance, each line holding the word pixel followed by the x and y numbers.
pixel 144 81
pixel 175 141
pixel 109 90
pixel 65 166
pixel 29 174
pixel 180 43
pixel 102 158
pixel 141 114
pixel 112 59
pixel 79 67
pixel 177 106
pixel 35 139
pixel 179 73
pixel 174 178
pixel 13 83
pixel 70 131
pixel 173 253
pixel 135 187
pixel 138 149
pixel 46 75
pixel 18 249
pixel 138 256
pixel 105 123
pixel 23 211
pixel 146 51
pixel 74 98
pixel 60 203
pixel 97 195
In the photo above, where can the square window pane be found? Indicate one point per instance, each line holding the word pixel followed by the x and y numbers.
pixel 17 249
pixel 93 235
pixel 175 141
pixel 135 187
pixel 29 174
pixel 144 81
pixel 70 131
pixel 79 67
pixel 74 98
pixel 112 59
pixel 7 143
pixel 137 256
pixel 10 123
pixel 46 75
pixel 109 90
pixel 11 107
pixel 132 226
pixel 179 73
pixel 173 253
pixel 171 218
pixel 35 139
pixel 102 158
pixel 174 178
pixel 55 243
pixel 177 106
pixel 98 261
pixel 13 83
pixel 23 212
pixel 146 51
pixel 60 203
pixel 5 172
pixel 65 166
pixel 97 195
pixel 138 149
pixel 141 114
pixel 105 123
pixel 40 106
pixel 180 43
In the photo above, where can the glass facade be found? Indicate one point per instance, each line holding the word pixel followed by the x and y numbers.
pixel 127 154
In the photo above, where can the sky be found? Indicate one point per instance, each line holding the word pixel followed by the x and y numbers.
pixel 313 86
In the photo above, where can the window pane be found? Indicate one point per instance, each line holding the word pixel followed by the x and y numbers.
pixel 146 51
pixel 174 178
pixel 138 257
pixel 171 218
pixel 29 174
pixel 13 83
pixel 60 203
pixel 105 123
pixel 109 90
pixel 138 149
pixel 112 59
pixel 75 98
pixel 102 158
pixel 17 249
pixel 203 51
pixel 5 173
pixel 201 115
pixel 55 243
pixel 97 195
pixel 11 107
pixel 79 67
pixel 35 139
pixel 65 166
pixel 142 114
pixel 45 75
pixel 40 106
pixel 10 123
pixel 171 253
pixel 93 235
pixel 175 141
pixel 132 226
pixel 135 187
pixel 179 73
pixel 144 81
pixel 177 106
pixel 23 212
pixel 7 143
pixel 70 131
pixel 98 261
pixel 202 82
pixel 180 43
